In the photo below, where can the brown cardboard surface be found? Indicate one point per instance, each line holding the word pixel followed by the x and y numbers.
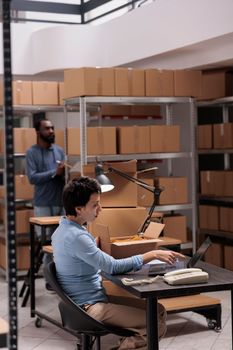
pixel 45 92
pixel 136 82
pixel 80 82
pixel 216 84
pixel 123 249
pixel 121 82
pixel 223 135
pixel 22 92
pixel 24 138
pixel 204 136
pixel 61 89
pixel 176 227
pixel 23 189
pixel 209 217
pixel 228 261
pixel 101 140
pixel 187 83
pixel 125 192
pixel 214 254
pixel 145 197
pixel 175 190
pixel 23 256
pixel 120 221
pixel 133 139
pixel 159 82
pixel 60 138
pixel 164 138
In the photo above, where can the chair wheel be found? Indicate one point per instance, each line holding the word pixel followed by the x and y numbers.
pixel 212 324
pixel 38 322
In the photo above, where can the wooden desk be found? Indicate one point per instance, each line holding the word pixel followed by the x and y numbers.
pixel 219 279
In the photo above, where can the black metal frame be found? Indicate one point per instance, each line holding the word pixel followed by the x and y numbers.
pixel 62 8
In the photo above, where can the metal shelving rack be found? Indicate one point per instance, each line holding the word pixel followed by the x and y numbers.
pixel 84 103
pixel 224 103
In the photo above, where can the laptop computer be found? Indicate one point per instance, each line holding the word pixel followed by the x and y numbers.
pixel 160 268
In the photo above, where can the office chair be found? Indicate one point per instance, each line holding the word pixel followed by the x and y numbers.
pixel 87 329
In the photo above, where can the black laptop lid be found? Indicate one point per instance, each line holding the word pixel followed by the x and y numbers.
pixel 200 252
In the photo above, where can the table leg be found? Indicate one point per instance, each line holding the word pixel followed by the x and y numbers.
pixel 32 269
pixel 151 322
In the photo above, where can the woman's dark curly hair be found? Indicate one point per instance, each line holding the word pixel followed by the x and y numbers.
pixel 77 193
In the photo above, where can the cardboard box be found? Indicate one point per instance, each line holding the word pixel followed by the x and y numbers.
pixel 126 246
pixel 212 182
pixel 22 216
pixel 23 189
pixel 216 84
pixel 133 139
pixel 134 111
pixel 120 221
pixel 175 190
pixel 61 90
pixel 223 135
pixel 22 92
pixel 228 261
pixel 187 83
pixel 100 140
pixel 23 256
pixel 145 111
pixel 175 227
pixel 145 197
pixel 159 82
pixel 88 82
pixel 2 192
pixel 22 220
pixel 164 138
pixel 45 92
pixel 204 136
pixel 214 254
pixel 60 138
pixel 125 192
pixel 226 219
pixel 209 217
pixel 24 138
pixel 115 110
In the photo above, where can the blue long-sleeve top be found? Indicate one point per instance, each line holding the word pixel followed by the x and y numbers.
pixel 41 165
pixel 79 262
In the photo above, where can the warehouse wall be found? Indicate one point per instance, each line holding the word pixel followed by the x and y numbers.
pixel 165 34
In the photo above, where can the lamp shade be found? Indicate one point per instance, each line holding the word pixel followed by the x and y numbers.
pixel 103 180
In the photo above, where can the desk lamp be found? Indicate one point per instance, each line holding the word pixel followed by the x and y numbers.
pixel 106 185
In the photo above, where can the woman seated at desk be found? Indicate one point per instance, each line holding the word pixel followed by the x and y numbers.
pixel 79 262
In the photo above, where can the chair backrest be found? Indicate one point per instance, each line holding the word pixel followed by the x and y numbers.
pixel 73 316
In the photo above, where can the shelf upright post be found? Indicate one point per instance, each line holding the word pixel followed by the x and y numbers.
pixel 194 170
pixel 9 178
pixel 225 119
pixel 168 118
pixel 83 132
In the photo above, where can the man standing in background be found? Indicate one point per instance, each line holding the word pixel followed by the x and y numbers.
pixel 45 170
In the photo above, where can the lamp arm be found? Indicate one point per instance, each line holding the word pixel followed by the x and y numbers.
pixel 146 222
pixel 132 179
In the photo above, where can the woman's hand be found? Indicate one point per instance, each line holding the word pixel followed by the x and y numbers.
pixel 167 256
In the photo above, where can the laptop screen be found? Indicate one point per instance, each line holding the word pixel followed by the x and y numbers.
pixel 200 252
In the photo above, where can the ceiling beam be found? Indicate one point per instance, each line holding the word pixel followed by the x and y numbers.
pixel 41 6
